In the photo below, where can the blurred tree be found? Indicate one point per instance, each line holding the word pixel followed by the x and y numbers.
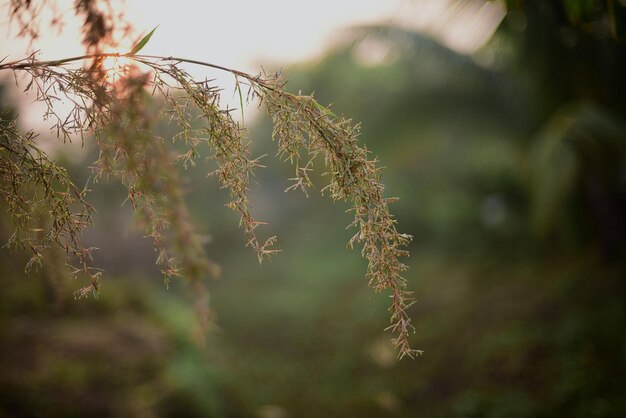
pixel 576 50
pixel 525 314
pixel 552 77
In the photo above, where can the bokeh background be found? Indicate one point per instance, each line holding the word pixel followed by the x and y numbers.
pixel 503 130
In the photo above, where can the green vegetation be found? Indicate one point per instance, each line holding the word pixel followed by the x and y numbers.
pixel 510 164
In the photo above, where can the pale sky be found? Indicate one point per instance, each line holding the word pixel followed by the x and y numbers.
pixel 242 33
pixel 248 34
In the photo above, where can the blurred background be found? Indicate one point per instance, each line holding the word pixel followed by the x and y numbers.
pixel 503 130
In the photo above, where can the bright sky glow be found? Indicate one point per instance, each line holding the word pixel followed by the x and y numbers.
pixel 248 34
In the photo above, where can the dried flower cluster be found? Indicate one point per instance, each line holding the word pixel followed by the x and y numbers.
pixel 48 210
pixel 45 207
pixel 302 124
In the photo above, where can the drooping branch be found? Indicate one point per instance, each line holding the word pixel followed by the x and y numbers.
pixel 303 129
pixel 46 208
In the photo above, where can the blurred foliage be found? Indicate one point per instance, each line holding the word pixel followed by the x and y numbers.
pixel 127 354
pixel 511 166
pixel 602 18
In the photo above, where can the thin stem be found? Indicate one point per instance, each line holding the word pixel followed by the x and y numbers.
pixel 196 62
pixel 25 63
pixel 21 65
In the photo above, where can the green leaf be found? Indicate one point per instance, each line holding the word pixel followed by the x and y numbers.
pixel 238 87
pixel 323 109
pixel 139 45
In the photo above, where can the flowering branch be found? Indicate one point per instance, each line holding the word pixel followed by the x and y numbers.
pixel 116 114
